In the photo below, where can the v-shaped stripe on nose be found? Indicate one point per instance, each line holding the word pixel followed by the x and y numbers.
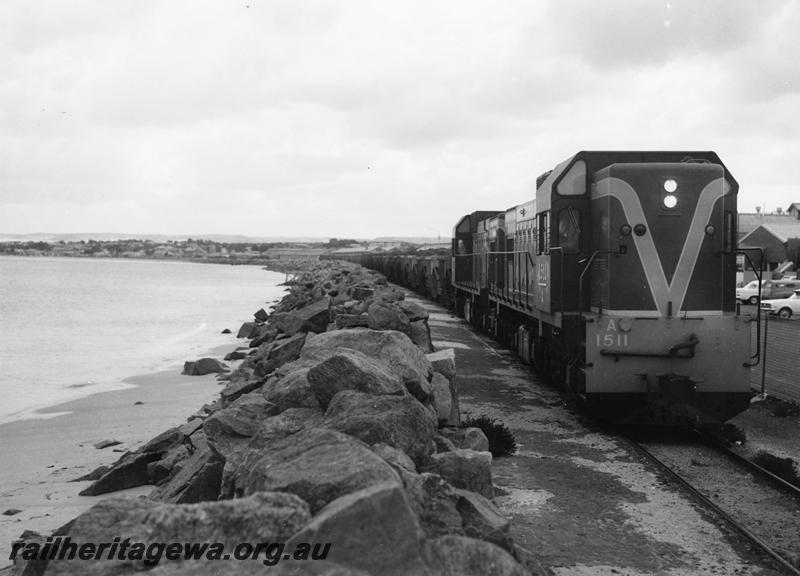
pixel 662 291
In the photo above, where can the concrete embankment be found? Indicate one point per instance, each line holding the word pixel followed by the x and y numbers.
pixel 339 427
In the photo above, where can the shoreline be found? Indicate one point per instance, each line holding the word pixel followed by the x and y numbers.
pixel 276 265
pixel 44 454
pixel 50 410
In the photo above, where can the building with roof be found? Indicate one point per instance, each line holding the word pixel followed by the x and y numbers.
pixel 778 235
pixel 750 221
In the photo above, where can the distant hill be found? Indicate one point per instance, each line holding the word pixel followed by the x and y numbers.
pixel 222 238
pixel 413 239
pixel 110 236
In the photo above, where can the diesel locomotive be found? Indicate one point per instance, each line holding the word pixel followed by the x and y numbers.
pixel 616 280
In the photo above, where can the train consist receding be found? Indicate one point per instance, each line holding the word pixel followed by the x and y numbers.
pixel 617 280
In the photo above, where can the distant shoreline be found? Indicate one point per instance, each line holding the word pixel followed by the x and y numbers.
pixel 286 266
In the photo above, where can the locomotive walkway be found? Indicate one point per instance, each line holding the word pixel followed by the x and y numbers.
pixel 582 501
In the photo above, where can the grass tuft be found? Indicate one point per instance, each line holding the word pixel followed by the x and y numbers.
pixel 501 440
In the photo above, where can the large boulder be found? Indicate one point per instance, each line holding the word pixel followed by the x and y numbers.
pixel 434 500
pixel 235 355
pixel 133 468
pixel 311 318
pixel 413 311
pixel 198 479
pixel 262 517
pixel 166 439
pixel 230 427
pixel 442 397
pixel 289 422
pixel 454 555
pixel 352 370
pixel 292 391
pixel 260 354
pixel 388 294
pixel 394 456
pixel 465 469
pixel 204 366
pixel 373 529
pixel 242 373
pixel 393 348
pixel 236 388
pixel 420 334
pixel 246 330
pixel 351 321
pixel 444 362
pixel 384 316
pixel 162 470
pixel 482 519
pixel 262 334
pixel 317 464
pixel 470 438
pixel 399 421
pixel 280 352
pixel 129 471
pixel 362 291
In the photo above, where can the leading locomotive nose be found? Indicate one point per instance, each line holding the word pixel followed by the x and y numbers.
pixel 665 228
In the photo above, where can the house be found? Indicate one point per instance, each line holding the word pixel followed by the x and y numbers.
pixel 778 235
pixel 750 221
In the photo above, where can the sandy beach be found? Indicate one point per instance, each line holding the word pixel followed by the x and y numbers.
pixel 40 456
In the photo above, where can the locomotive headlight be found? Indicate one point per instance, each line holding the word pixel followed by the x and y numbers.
pixel 670 200
pixel 625 230
pixel 711 230
pixel 670 186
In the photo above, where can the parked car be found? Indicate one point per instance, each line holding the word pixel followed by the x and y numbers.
pixel 769 289
pixel 783 307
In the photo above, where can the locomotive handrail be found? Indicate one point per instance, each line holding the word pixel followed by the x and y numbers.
pixel 585 269
pixel 759 275
pixel 561 279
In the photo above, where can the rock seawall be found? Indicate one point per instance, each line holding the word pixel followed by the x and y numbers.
pixel 334 429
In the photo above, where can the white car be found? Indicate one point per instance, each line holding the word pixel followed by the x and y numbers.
pixel 783 307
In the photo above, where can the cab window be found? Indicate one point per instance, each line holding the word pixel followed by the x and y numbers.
pixel 569 230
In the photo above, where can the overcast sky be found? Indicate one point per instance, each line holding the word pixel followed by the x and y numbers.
pixel 367 118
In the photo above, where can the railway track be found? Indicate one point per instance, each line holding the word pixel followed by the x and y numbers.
pixel 760 506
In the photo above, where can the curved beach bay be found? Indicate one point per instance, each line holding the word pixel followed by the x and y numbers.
pixel 91 350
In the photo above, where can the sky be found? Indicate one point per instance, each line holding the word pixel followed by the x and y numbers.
pixel 358 119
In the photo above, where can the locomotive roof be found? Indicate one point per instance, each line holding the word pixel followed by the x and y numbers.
pixel 599 159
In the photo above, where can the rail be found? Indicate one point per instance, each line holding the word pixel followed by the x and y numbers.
pixel 766 548
pixel 774 478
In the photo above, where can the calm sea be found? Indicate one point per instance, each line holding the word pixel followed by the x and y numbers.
pixel 71 327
